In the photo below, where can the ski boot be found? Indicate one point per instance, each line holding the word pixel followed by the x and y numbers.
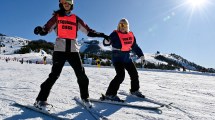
pixel 43 105
pixel 114 98
pixel 137 94
pixel 87 103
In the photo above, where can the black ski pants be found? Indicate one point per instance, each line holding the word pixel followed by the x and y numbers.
pixel 59 58
pixel 120 75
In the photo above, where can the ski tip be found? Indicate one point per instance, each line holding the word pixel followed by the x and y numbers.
pixel 170 103
pixel 169 106
pixel 163 105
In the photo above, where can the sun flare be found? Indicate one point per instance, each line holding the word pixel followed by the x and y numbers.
pixel 197 3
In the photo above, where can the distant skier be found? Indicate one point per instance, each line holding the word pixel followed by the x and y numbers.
pixel 66 24
pixel 123 41
pixel 6 60
pixel 22 60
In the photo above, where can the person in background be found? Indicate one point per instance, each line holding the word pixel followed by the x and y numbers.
pixel 123 41
pixel 66 25
pixel 98 62
pixel 22 60
pixel 44 60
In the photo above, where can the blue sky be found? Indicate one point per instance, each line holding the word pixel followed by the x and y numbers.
pixel 169 26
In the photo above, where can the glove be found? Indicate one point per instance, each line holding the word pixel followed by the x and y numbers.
pixel 142 58
pixel 106 37
pixel 38 30
pixel 106 42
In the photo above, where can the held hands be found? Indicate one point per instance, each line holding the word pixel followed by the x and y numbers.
pixel 106 37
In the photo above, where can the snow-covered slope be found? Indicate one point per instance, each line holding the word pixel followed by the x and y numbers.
pixel 11 44
pixel 151 58
pixel 33 57
pixel 193 95
pixel 94 44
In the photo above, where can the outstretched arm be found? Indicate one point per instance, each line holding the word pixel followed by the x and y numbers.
pixel 48 27
pixel 89 32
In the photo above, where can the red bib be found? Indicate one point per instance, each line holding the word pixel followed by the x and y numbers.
pixel 67 27
pixel 126 40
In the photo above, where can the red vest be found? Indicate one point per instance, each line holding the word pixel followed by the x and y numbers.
pixel 126 40
pixel 67 27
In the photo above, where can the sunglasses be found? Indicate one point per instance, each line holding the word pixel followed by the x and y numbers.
pixel 123 25
pixel 66 3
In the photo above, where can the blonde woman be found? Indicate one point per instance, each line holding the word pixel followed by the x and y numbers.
pixel 123 41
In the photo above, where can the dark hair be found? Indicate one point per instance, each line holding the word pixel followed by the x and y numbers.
pixel 61 11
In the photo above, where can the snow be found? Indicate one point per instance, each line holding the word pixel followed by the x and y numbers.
pixel 30 57
pixel 83 44
pixel 151 58
pixel 11 44
pixel 192 93
pixel 105 48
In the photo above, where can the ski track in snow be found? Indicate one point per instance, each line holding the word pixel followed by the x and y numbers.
pixel 193 95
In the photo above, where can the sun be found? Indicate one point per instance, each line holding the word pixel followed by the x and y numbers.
pixel 197 3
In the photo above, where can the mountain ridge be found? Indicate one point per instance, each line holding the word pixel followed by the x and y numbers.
pixel 10 45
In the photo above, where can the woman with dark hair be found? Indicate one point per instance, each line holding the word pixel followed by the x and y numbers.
pixel 66 24
pixel 123 41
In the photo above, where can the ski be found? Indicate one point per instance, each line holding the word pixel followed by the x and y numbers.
pixel 33 108
pixel 155 108
pixel 148 100
pixel 94 113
